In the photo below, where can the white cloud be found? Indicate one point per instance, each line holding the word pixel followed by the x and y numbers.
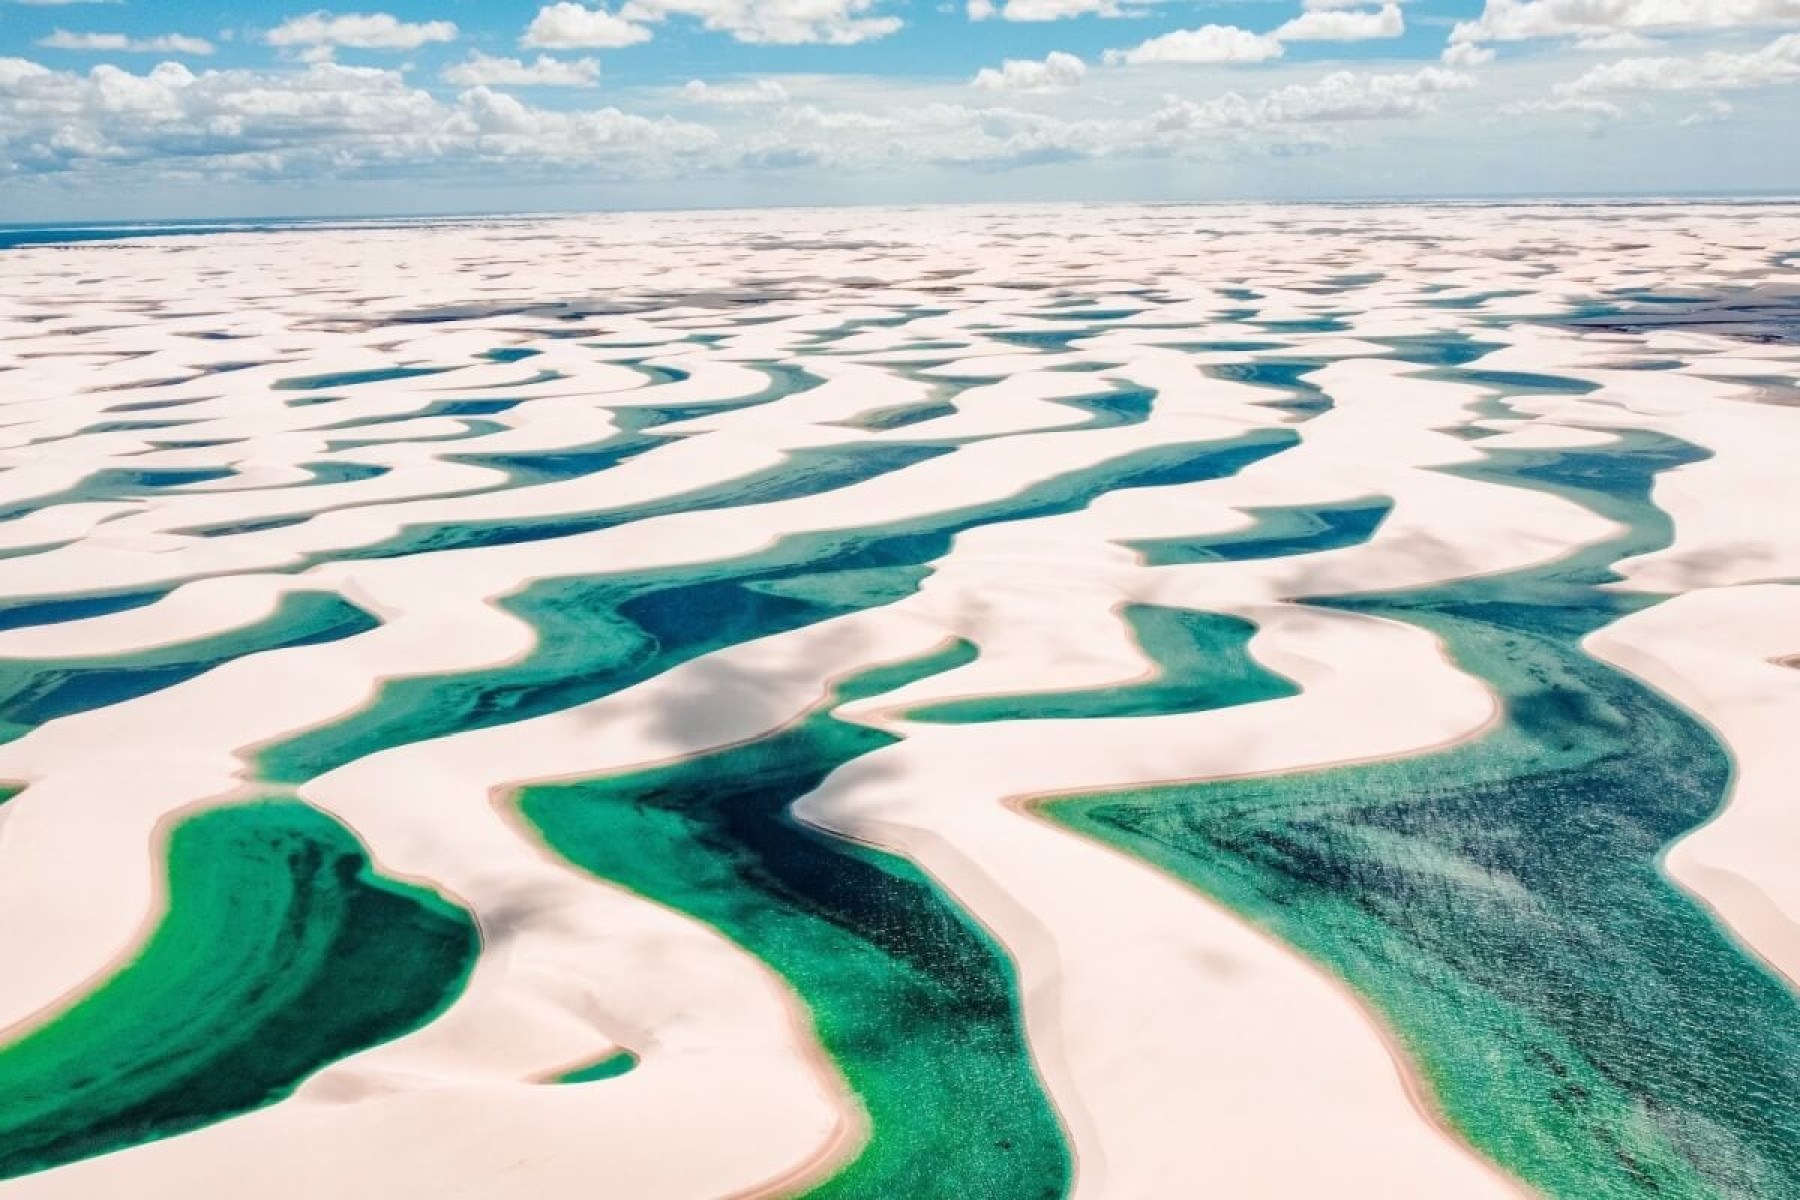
pixel 1343 25
pixel 1776 63
pixel 1046 10
pixel 1207 44
pixel 1466 54
pixel 15 74
pixel 479 69
pixel 1519 20
pixel 1058 71
pixel 763 91
pixel 1584 106
pixel 1341 96
pixel 1348 96
pixel 1713 112
pixel 1060 10
pixel 330 121
pixel 1616 39
pixel 568 26
pixel 168 43
pixel 774 22
pixel 320 32
pixel 327 119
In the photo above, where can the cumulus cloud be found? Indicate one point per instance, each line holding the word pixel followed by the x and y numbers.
pixel 481 69
pixel 318 34
pixel 168 43
pixel 774 22
pixel 494 124
pixel 1617 39
pixel 1776 63
pixel 1207 44
pixel 569 26
pixel 1349 96
pixel 1466 54
pixel 1053 10
pixel 763 91
pixel 330 121
pixel 325 119
pixel 1581 105
pixel 1713 112
pixel 1520 20
pixel 1056 72
pixel 1343 25
pixel 1341 96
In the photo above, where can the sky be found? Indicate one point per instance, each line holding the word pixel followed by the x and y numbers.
pixel 152 109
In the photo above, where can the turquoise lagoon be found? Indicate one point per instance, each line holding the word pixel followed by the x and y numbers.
pixel 1569 1013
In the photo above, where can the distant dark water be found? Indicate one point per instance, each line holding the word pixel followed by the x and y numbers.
pixel 15 236
pixel 1764 314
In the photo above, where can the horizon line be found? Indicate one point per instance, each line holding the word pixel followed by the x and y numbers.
pixel 1750 196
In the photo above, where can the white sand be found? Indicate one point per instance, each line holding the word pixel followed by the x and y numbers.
pixel 1719 652
pixel 1193 1051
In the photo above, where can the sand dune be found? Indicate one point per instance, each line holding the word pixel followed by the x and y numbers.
pixel 1057 437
